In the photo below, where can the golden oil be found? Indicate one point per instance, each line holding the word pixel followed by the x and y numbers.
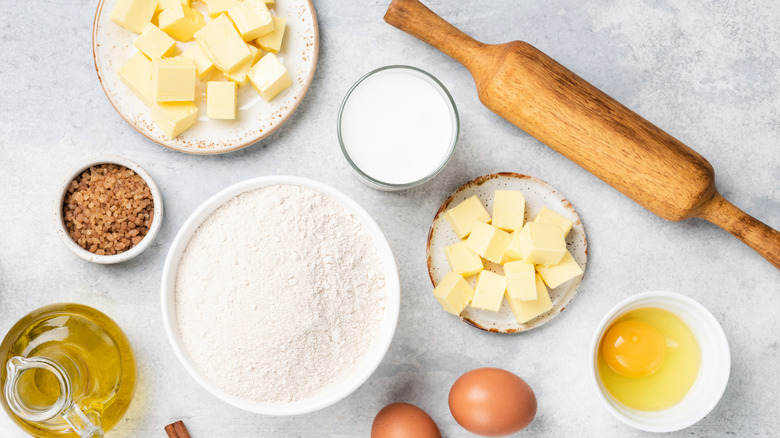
pixel 94 354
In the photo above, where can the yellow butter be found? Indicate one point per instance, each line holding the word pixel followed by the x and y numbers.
pixel 541 243
pixel 489 291
pixel 508 209
pixel 153 42
pixel 463 216
pixel 133 15
pixel 272 42
pixel 221 100
pixel 252 19
pixel 269 77
pixel 216 7
pixel 453 293
pixel 525 311
pixel 137 75
pixel 520 281
pixel 547 216
pixel 513 252
pixel 173 79
pixel 488 241
pixel 167 4
pixel 463 260
pixel 173 118
pixel 203 64
pixel 556 275
pixel 221 41
pixel 239 74
pixel 181 22
pixel 270 3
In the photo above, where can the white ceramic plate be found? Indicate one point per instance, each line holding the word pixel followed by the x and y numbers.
pixel 326 396
pixel 537 195
pixel 112 46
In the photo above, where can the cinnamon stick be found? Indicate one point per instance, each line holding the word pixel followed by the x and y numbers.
pixel 177 430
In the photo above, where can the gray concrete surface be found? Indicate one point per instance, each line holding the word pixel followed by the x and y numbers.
pixel 708 72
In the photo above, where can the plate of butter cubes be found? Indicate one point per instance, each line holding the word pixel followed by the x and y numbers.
pixel 506 253
pixel 205 76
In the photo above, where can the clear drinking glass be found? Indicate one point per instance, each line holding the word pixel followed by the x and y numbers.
pixel 388 186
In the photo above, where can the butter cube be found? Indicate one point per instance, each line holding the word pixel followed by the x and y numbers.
pixel 173 79
pixel 181 22
pixel 221 41
pixel 216 7
pixel 463 216
pixel 525 311
pixel 239 73
pixel 203 64
pixel 270 3
pixel 512 252
pixel 556 275
pixel 508 209
pixel 252 18
pixel 542 243
pixel 520 281
pixel 167 4
pixel 489 291
pixel 133 15
pixel 173 118
pixel 137 75
pixel 269 77
pixel 463 260
pixel 153 42
pixel 547 216
pixel 221 100
pixel 488 241
pixel 453 293
pixel 272 42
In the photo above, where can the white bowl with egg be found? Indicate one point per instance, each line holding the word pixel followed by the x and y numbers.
pixel 329 394
pixel 397 127
pixel 713 372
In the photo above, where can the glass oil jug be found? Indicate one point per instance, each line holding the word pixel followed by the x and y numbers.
pixel 66 371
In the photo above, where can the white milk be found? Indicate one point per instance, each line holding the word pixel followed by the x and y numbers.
pixel 398 126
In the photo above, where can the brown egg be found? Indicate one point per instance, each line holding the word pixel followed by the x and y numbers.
pixel 402 420
pixel 492 402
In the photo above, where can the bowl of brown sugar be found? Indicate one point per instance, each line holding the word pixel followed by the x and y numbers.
pixel 109 210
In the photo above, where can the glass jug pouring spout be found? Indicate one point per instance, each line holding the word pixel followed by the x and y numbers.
pixel 30 404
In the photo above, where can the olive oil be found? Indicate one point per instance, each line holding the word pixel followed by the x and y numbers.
pixel 73 343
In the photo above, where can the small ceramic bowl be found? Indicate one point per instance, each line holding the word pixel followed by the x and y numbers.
pixel 713 373
pixel 136 249
pixel 330 394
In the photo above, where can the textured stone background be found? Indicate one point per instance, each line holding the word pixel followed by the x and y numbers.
pixel 708 72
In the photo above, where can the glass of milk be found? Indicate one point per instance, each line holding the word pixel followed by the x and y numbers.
pixel 397 127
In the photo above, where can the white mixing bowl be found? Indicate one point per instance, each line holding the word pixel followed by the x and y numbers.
pixel 378 347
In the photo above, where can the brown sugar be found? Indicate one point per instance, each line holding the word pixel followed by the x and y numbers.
pixel 108 209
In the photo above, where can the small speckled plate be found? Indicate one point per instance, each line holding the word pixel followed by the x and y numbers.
pixel 537 195
pixel 112 47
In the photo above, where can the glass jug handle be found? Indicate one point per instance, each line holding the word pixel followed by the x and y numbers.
pixel 64 406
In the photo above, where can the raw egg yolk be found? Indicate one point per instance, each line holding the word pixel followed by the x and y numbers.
pixel 633 348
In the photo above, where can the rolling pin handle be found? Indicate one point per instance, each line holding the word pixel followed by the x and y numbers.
pixel 754 233
pixel 416 19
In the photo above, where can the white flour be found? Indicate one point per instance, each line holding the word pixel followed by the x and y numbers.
pixel 279 293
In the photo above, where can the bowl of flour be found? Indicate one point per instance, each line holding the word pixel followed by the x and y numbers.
pixel 280 295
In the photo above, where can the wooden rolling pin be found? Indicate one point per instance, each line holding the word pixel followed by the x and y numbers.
pixel 545 99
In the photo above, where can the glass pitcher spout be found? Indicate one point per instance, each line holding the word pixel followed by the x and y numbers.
pixel 31 404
